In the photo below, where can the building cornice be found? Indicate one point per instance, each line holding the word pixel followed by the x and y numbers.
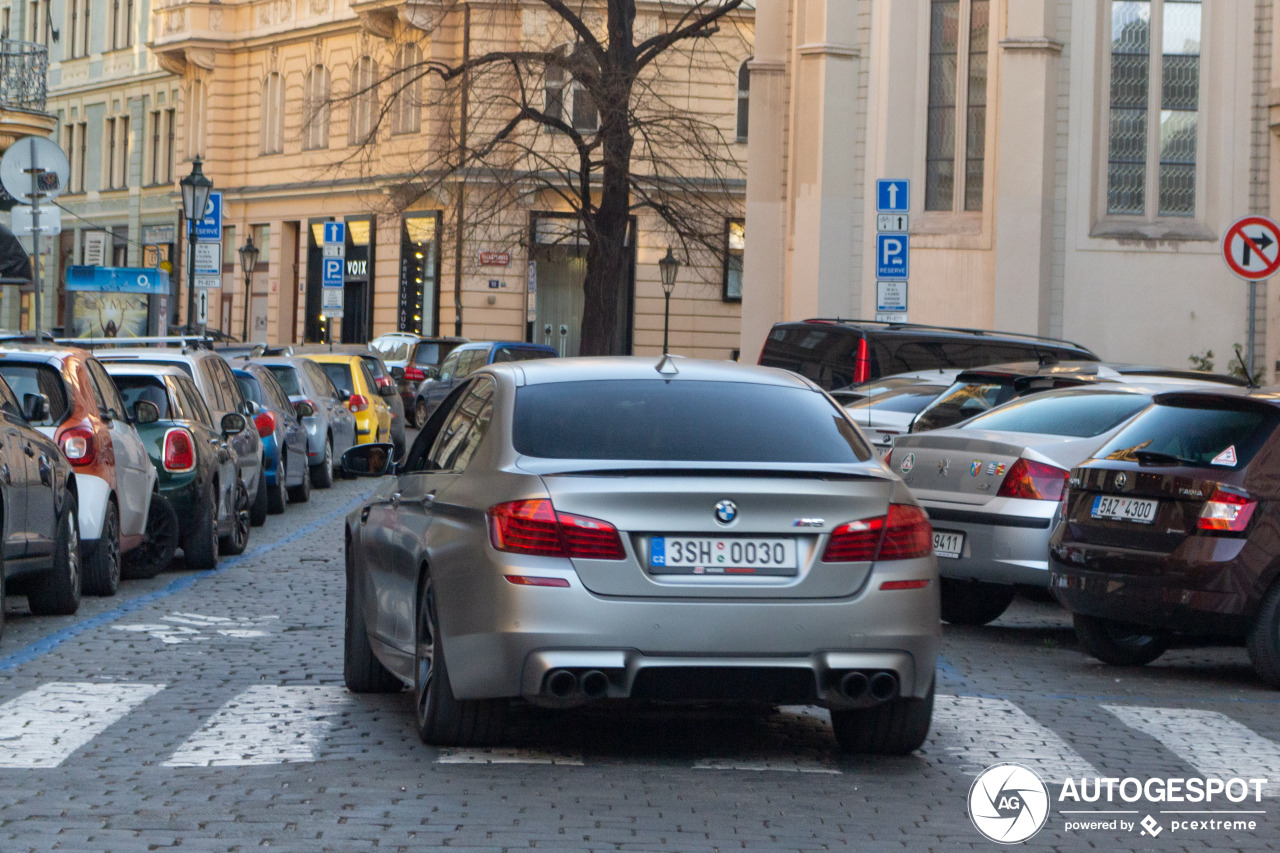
pixel 842 51
pixel 1038 44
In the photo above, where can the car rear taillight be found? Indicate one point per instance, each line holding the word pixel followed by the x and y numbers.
pixel 861 363
pixel 266 423
pixel 534 527
pixel 1226 511
pixel 413 374
pixel 179 451
pixel 903 534
pixel 358 403
pixel 1033 480
pixel 77 445
pixel 384 381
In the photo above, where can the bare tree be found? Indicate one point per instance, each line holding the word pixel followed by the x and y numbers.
pixel 597 109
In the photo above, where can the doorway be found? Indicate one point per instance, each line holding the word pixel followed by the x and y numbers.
pixel 560 258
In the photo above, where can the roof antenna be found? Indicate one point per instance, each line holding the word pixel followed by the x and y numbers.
pixel 1245 368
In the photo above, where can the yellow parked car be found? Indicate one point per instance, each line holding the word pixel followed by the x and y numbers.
pixel 363 396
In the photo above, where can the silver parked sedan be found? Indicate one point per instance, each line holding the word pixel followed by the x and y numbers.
pixel 575 530
pixel 992 487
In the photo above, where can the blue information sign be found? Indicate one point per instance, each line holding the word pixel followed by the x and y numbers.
pixel 893 196
pixel 331 272
pixel 117 280
pixel 892 257
pixel 210 227
pixel 335 232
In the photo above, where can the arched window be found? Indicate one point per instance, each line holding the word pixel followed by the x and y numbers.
pixel 364 100
pixel 271 130
pixel 195 119
pixel 315 109
pixel 744 98
pixel 406 111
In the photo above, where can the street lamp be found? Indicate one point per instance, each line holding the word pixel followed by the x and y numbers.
pixel 248 261
pixel 195 197
pixel 668 266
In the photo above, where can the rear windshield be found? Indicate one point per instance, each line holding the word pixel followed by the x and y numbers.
pixel 287 378
pixel 962 401
pixel 150 388
pixel 1076 415
pixel 27 379
pixel 340 376
pixel 910 399
pixel 1191 434
pixel 397 351
pixel 650 419
pixel 427 354
pixel 520 354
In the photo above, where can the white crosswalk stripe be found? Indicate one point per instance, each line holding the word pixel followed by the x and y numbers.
pixel 264 725
pixel 973 733
pixel 1214 744
pixel 43 727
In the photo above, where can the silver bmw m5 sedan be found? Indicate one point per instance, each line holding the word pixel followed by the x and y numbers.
pixel 589 530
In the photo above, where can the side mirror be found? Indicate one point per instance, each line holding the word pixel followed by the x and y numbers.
pixel 369 460
pixel 387 391
pixel 233 423
pixel 145 412
pixel 250 409
pixel 304 409
pixel 35 407
pixel 397 373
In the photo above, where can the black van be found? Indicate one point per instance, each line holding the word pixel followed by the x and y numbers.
pixel 837 353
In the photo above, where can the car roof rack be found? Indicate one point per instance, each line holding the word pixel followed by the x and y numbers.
pixel 185 341
pixel 928 327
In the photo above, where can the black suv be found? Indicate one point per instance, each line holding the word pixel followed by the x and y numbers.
pixel 837 353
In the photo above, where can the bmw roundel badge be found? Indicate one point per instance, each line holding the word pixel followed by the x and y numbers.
pixel 726 512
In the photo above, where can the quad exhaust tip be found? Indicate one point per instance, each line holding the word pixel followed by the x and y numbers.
pixel 884 686
pixel 854 685
pixel 594 683
pixel 562 683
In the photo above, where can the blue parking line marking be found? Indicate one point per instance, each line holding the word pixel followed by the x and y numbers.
pixel 51 642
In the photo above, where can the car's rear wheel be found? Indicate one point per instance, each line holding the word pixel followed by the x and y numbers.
pixel 1120 643
pixel 896 727
pixel 59 593
pixel 238 539
pixel 974 602
pixel 443 720
pixel 102 569
pixel 322 471
pixel 361 670
pixel 159 543
pixel 200 549
pixel 258 511
pixel 277 495
pixel 1264 639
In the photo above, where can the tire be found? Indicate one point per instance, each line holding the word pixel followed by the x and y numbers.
pixel 974 602
pixel 258 510
pixel 1119 643
pixel 161 541
pixel 58 594
pixel 277 495
pixel 102 569
pixel 441 719
pixel 896 727
pixel 301 493
pixel 361 670
pixel 322 471
pixel 200 548
pixel 420 413
pixel 238 539
pixel 1264 639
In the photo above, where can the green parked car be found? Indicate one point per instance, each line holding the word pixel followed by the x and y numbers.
pixel 195 464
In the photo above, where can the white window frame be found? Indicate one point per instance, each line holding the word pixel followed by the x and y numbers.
pixel 271 121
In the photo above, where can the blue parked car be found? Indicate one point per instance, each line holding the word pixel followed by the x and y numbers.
pixel 284 438
pixel 465 360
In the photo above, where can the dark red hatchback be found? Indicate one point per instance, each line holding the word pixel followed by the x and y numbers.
pixel 1174 529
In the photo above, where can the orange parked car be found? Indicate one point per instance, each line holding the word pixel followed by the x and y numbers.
pixel 80 408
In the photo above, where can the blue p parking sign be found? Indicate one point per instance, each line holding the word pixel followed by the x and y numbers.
pixel 331 273
pixel 892 257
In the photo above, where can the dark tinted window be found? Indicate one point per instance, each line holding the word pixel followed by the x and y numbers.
pixel 374 366
pixel 426 354
pixel 287 378
pixel 193 403
pixel 340 376
pixel 1078 415
pixel 149 388
pixel 450 364
pixel 109 399
pixel 27 379
pixel 962 401
pixel 464 428
pixel 1195 432
pixel 323 386
pixel 469 361
pixel 682 421
pixel 909 399
pixel 520 354
pixel 274 394
pixel 249 388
